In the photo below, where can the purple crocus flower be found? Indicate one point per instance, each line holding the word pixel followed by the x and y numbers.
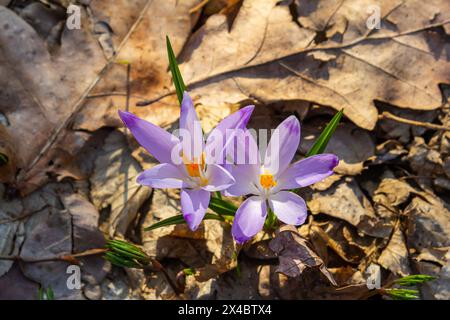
pixel 267 181
pixel 184 163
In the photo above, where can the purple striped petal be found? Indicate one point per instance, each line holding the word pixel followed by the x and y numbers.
pixel 193 205
pixel 157 141
pixel 218 178
pixel 249 219
pixel 162 176
pixel 223 134
pixel 190 129
pixel 308 171
pixel 246 177
pixel 288 207
pixel 282 146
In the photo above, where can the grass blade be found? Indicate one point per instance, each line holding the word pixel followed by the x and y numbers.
pixel 321 142
pixel 50 294
pixel 3 159
pixel 179 219
pixel 180 87
pixel 414 279
pixel 222 207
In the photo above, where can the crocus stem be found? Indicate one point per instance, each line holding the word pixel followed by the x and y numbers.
pixel 218 195
pixel 270 220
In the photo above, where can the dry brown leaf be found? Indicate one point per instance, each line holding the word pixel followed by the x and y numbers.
pixel 428 223
pixel 146 51
pixel 295 255
pixel 210 250
pixel 395 256
pixel 425 160
pixel 41 89
pixel 390 194
pixel 439 288
pixel 54 231
pixel 8 161
pixel 269 67
pixel 19 287
pixel 51 86
pixel 113 184
pixel 351 155
pixel 346 201
pixel 11 231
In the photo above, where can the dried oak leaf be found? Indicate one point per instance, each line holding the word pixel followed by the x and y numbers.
pixel 428 223
pixel 351 155
pixel 295 255
pixel 261 62
pixel 210 250
pixel 345 200
pixel 63 223
pixel 114 186
pixel 395 256
pixel 43 90
pixel 11 231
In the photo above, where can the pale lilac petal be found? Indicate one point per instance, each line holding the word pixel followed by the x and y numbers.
pixel 193 205
pixel 282 146
pixel 308 171
pixel 246 177
pixel 193 143
pixel 162 176
pixel 249 219
pixel 157 141
pixel 223 134
pixel 288 207
pixel 245 150
pixel 218 178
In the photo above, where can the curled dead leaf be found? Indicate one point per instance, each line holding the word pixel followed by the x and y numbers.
pixel 295 255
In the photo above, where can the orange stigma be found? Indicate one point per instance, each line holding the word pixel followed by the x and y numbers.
pixel 267 181
pixel 195 168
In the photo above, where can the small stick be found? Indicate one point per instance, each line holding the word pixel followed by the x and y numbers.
pixel 199 6
pixel 432 126
pixel 67 257
pixel 113 93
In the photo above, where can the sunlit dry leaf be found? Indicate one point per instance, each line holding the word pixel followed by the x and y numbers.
pixel 295 255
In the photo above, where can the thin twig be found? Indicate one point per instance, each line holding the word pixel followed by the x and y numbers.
pixel 23 216
pixel 432 126
pixel 113 93
pixel 80 101
pixel 156 265
pixel 66 257
pixel 199 6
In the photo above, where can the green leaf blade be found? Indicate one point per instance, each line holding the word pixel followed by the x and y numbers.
pixel 414 279
pixel 322 142
pixel 222 207
pixel 179 219
pixel 178 81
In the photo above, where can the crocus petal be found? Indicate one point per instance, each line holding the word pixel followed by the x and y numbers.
pixel 249 219
pixel 308 171
pixel 162 176
pixel 193 205
pixel 246 151
pixel 282 146
pixel 157 141
pixel 246 176
pixel 288 207
pixel 190 129
pixel 218 178
pixel 223 134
